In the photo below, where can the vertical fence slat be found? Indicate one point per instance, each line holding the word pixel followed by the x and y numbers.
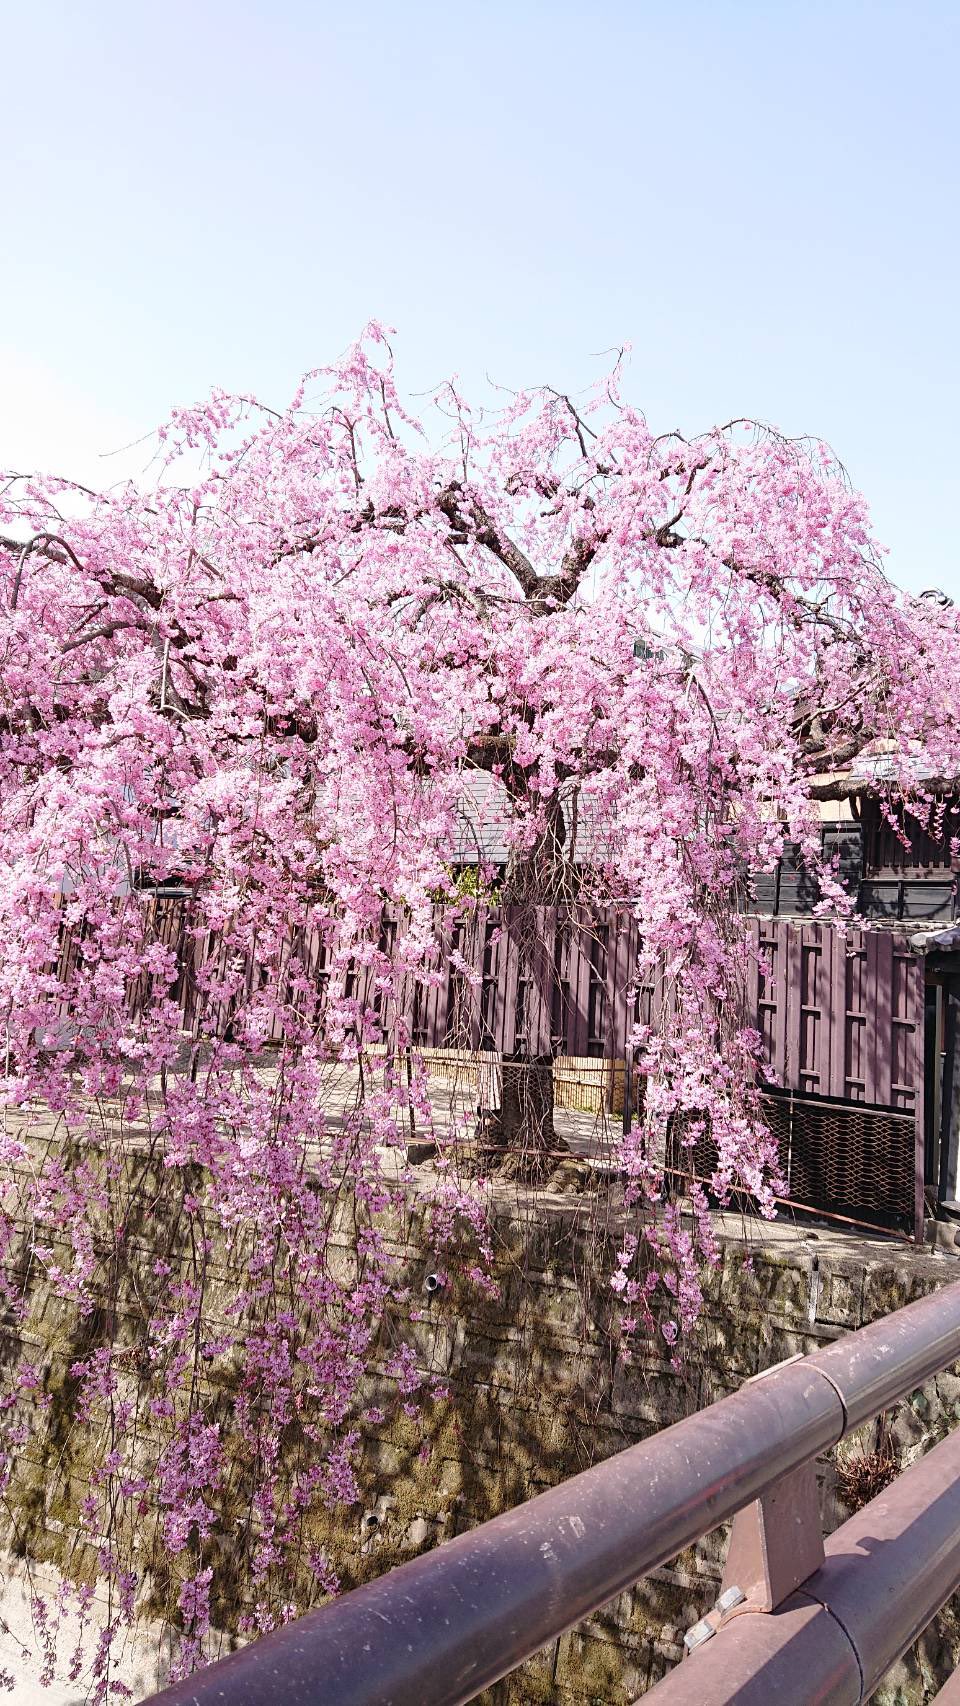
pixel 579 983
pixel 836 998
pixel 883 1028
pixel 510 961
pixel 918 992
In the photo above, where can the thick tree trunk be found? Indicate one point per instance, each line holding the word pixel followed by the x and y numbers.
pixel 521 1138
pixel 525 1130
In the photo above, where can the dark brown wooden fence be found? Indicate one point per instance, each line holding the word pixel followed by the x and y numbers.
pixel 841 1020
pixel 841 1017
pixel 842 1023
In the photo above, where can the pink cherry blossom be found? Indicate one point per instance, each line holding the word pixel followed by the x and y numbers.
pixel 262 678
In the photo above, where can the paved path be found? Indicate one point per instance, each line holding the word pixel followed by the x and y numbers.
pixel 19 1645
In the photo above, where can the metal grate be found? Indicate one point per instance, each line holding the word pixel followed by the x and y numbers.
pixel 837 1158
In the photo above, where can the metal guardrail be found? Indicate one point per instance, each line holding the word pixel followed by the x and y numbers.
pixel 438 1630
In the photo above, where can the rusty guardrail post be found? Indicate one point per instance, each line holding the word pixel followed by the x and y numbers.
pixel 886 1573
pixel 777 1542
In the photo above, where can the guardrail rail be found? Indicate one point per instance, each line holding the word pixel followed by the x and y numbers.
pixel 797 1620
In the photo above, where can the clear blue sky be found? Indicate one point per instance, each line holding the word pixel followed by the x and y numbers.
pixel 761 197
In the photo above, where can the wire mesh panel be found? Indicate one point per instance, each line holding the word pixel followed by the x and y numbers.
pixel 836 1158
pixel 851 1160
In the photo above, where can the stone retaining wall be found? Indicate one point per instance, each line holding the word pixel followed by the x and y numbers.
pixel 539 1389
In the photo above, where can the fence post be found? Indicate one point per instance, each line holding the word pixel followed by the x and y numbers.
pixel 947 1183
pixel 628 1070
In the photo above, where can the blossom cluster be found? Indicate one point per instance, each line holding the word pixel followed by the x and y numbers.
pixel 257 683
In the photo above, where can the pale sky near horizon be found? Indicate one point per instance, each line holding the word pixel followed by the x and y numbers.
pixel 761 198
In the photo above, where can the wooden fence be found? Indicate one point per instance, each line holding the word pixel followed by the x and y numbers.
pixel 841 1020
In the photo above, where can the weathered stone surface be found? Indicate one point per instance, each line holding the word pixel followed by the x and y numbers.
pixel 539 1389
pixel 841 1295
pixel 591 1670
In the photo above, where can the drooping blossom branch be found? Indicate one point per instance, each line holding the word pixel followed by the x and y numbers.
pixel 263 681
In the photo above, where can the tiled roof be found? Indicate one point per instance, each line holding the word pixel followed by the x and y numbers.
pixel 486 816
